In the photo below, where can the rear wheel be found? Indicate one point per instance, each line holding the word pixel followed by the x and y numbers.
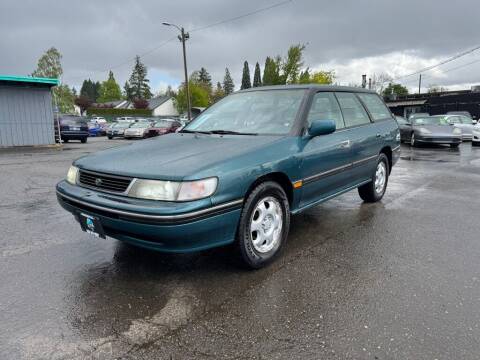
pixel 375 189
pixel 264 224
pixel 454 146
pixel 65 140
pixel 83 140
pixel 110 137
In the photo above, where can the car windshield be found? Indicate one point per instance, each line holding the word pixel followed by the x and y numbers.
pixel 140 124
pixel 430 120
pixel 269 112
pixel 73 121
pixel 163 124
pixel 121 125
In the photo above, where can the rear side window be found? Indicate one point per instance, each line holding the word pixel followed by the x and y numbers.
pixel 353 111
pixel 325 107
pixel 375 106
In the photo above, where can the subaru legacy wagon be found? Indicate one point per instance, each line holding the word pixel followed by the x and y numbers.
pixel 237 173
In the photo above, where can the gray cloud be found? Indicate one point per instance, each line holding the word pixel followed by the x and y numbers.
pixel 94 36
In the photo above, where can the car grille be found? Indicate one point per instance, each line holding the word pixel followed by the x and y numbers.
pixel 106 182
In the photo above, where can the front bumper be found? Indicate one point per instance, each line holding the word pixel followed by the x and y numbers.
pixel 438 139
pixel 74 135
pixel 134 135
pixel 162 226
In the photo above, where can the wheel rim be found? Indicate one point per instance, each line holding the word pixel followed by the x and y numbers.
pixel 412 140
pixel 380 177
pixel 266 224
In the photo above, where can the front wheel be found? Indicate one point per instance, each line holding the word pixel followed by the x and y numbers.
pixel 413 141
pixel 375 189
pixel 264 224
pixel 454 146
pixel 83 140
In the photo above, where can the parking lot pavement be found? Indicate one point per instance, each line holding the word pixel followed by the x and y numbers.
pixel 398 279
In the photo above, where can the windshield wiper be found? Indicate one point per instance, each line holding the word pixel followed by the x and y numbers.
pixel 229 132
pixel 195 131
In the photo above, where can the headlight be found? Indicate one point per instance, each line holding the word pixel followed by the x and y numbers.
pixel 72 175
pixel 424 131
pixel 172 190
pixel 457 131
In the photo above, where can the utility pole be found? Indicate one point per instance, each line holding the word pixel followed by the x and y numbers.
pixel 419 83
pixel 184 36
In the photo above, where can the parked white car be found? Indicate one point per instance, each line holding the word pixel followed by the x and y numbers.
pixel 476 135
pixel 462 122
pixel 98 120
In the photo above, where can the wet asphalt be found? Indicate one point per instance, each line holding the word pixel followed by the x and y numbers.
pixel 399 279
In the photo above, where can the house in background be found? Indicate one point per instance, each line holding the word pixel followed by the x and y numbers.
pixel 162 106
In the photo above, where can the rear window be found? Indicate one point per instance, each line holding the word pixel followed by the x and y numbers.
pixel 72 121
pixel 375 106
pixel 353 111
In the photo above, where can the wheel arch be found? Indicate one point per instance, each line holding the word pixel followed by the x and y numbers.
pixel 387 150
pixel 280 178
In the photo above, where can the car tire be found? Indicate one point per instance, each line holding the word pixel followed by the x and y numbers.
pixel 65 140
pixel 110 137
pixel 454 146
pixel 84 140
pixel 413 142
pixel 475 143
pixel 375 189
pixel 261 237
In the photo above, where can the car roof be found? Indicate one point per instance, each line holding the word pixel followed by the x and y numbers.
pixel 311 87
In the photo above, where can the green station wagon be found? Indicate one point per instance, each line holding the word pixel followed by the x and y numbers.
pixel 238 172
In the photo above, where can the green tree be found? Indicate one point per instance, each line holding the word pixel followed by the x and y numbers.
pixel 246 84
pixel 218 93
pixel 271 75
pixel 138 82
pixel 49 66
pixel 257 77
pixel 110 90
pixel 292 64
pixel 64 98
pixel 396 89
pixel 198 95
pixel 317 77
pixel 228 85
pixel 205 78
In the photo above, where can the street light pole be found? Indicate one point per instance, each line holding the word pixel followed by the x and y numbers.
pixel 184 37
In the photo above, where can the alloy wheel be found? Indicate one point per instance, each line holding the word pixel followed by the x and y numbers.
pixel 266 224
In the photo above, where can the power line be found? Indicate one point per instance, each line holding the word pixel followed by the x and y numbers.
pixel 242 16
pixel 455 57
pixel 254 12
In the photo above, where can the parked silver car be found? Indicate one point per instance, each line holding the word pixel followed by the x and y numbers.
pixel 429 130
pixel 462 122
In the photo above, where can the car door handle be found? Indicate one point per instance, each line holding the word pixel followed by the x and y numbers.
pixel 345 144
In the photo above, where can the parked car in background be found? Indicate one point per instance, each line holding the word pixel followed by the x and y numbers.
pixel 139 130
pixel 117 129
pixel 405 128
pixel 164 126
pixel 125 118
pixel 476 135
pixel 430 130
pixel 95 129
pixel 417 115
pixel 98 120
pixel 73 128
pixel 238 172
pixel 464 123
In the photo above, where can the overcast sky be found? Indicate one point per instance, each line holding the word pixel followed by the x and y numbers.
pixel 352 37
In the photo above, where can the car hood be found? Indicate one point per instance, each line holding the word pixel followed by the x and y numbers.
pixel 174 156
pixel 439 130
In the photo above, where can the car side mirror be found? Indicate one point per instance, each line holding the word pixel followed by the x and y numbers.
pixel 321 127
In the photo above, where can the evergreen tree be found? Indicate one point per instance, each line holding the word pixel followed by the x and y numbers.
pixel 246 84
pixel 228 85
pixel 271 72
pixel 110 90
pixel 138 82
pixel 96 90
pixel 127 91
pixel 257 78
pixel 205 78
pixel 89 90
pixel 218 93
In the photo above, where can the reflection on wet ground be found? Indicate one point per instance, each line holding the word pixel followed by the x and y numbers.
pixel 398 279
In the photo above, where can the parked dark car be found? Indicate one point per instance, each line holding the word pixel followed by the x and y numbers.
pixel 238 172
pixel 164 126
pixel 73 128
pixel 429 130
pixel 117 129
